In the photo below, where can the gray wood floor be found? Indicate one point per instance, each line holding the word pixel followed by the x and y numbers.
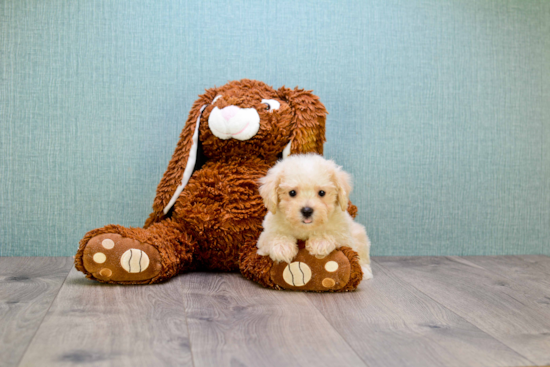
pixel 418 311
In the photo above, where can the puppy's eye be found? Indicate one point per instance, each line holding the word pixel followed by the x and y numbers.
pixel 292 193
pixel 271 104
pixel 322 193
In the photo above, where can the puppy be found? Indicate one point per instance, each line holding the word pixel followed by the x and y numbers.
pixel 307 199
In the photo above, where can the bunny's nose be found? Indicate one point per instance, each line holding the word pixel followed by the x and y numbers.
pixel 229 111
pixel 307 211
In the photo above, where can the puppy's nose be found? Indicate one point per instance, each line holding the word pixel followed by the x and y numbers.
pixel 307 211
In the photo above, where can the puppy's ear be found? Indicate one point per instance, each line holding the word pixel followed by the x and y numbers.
pixel 342 181
pixel 268 189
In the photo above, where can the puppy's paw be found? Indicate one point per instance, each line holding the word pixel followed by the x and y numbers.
pixel 320 246
pixel 367 271
pixel 284 251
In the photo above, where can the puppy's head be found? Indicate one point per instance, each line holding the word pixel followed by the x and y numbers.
pixel 306 190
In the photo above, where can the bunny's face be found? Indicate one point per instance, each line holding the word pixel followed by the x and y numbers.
pixel 245 118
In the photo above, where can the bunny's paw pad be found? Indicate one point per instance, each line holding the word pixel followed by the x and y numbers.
pixel 109 257
pixel 313 273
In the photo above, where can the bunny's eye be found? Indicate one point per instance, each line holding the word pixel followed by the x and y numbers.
pixel 271 104
pixel 292 193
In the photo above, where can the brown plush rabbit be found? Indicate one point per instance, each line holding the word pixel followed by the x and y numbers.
pixel 207 213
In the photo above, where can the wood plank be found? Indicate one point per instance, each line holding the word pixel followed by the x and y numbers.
pixel 104 325
pixel 390 323
pixel 485 299
pixel 532 271
pixel 235 322
pixel 28 286
pixel 540 262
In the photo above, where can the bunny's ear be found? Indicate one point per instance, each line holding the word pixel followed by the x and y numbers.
pixel 309 119
pixel 182 163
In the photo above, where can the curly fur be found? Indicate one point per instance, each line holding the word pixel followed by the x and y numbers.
pixel 219 213
pixel 309 181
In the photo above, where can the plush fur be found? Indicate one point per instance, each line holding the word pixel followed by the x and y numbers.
pixel 216 220
pixel 307 197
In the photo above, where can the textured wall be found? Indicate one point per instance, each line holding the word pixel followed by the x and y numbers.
pixel 441 110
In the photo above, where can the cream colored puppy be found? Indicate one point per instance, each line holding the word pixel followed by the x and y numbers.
pixel 307 199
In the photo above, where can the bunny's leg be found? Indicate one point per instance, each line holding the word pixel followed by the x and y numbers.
pixel 338 271
pixel 116 254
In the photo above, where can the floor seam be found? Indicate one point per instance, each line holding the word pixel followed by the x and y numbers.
pixel 45 315
pixel 495 272
pixel 187 322
pixel 336 330
pixel 388 271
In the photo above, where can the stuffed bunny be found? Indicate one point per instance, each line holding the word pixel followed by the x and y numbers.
pixel 208 213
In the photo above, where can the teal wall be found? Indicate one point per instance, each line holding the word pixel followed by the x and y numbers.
pixel 440 110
